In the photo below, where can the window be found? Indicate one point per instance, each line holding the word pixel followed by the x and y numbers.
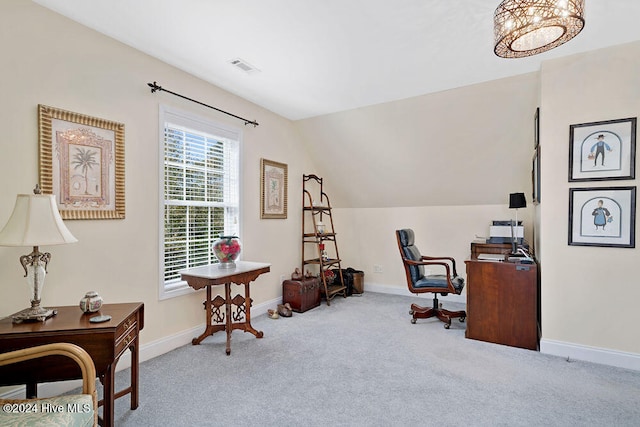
pixel 200 197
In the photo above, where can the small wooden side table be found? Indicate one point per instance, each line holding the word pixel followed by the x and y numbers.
pixel 211 275
pixel 105 343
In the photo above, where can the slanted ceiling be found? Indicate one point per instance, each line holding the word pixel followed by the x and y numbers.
pixel 319 57
pixel 400 103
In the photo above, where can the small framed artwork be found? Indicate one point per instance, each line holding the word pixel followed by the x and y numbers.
pixel 82 163
pixel 535 176
pixel 536 128
pixel 602 216
pixel 273 190
pixel 602 151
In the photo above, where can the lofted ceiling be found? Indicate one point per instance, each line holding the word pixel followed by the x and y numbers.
pixel 324 56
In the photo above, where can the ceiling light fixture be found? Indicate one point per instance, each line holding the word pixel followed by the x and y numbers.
pixel 528 27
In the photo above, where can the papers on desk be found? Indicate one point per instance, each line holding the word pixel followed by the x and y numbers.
pixel 491 257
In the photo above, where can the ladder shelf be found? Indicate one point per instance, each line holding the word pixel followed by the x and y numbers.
pixel 319 242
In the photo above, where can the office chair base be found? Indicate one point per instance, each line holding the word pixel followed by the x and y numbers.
pixel 419 312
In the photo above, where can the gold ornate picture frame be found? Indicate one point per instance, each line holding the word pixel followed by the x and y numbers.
pixel 82 164
pixel 273 190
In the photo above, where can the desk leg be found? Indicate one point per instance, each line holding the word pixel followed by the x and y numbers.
pixel 32 390
pixel 228 320
pixel 247 306
pixel 210 328
pixel 108 391
pixel 135 358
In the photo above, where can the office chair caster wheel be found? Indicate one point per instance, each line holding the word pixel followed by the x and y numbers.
pixel 447 325
pixel 413 321
pixel 462 319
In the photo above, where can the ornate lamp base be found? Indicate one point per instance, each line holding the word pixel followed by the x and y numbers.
pixel 39 314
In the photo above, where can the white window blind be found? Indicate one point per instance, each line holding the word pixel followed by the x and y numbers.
pixel 201 191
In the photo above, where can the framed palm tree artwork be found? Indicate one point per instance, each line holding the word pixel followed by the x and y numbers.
pixel 82 163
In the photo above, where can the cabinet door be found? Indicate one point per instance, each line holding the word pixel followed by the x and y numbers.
pixel 518 306
pixel 482 301
pixel 502 303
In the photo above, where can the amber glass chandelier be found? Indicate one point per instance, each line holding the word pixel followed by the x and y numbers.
pixel 528 27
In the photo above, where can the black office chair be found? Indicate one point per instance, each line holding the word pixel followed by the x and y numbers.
pixel 418 283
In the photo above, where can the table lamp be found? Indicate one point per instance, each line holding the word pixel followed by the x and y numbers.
pixel 35 221
pixel 516 200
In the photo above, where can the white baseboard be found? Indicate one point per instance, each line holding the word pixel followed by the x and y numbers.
pixel 602 356
pixel 147 351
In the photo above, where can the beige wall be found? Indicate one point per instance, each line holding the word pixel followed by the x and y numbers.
pixel 483 135
pixel 465 146
pixel 369 238
pixel 48 59
pixel 589 294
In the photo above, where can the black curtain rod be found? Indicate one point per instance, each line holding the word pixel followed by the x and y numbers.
pixel 154 87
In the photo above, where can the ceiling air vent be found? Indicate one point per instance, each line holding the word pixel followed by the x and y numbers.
pixel 244 65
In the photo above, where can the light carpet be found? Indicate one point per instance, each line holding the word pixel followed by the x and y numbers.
pixel 360 362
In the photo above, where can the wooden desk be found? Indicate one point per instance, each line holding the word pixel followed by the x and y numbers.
pixel 502 303
pixel 495 248
pixel 105 343
pixel 211 275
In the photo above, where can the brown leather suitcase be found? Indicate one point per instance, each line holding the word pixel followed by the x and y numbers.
pixel 302 295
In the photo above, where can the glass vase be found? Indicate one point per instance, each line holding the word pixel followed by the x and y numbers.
pixel 227 250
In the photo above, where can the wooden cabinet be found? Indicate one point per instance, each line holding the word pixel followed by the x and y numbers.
pixel 105 342
pixel 503 302
pixel 319 239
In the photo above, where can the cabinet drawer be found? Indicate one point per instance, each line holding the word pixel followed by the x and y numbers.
pixel 124 342
pixel 126 332
pixel 126 325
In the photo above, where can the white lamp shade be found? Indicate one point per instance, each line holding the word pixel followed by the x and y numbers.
pixel 35 221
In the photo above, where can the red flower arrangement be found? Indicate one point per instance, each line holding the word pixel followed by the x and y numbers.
pixel 227 249
pixel 329 276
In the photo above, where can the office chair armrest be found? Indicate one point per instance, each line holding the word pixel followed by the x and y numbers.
pixel 426 262
pixel 448 258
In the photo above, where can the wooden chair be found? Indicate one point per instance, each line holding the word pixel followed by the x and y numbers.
pixel 418 283
pixel 67 410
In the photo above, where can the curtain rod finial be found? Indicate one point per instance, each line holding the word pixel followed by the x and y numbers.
pixel 154 87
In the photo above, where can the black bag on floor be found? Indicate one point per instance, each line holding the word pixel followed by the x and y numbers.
pixel 347 275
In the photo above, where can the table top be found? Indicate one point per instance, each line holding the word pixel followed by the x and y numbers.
pixel 214 275
pixel 72 318
pixel 213 271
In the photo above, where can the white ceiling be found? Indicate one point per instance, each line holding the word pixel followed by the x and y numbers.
pixel 322 56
